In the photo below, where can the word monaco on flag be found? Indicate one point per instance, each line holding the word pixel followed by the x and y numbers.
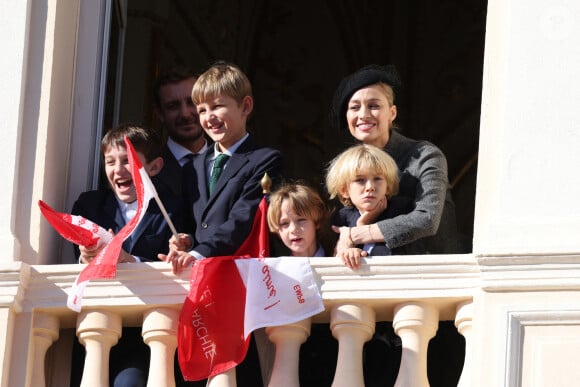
pixel 83 232
pixel 220 312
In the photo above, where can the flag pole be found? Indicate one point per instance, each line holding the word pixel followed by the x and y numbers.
pixel 146 181
pixel 165 215
pixel 266 184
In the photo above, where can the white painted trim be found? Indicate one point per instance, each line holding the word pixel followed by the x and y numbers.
pixel 89 94
pixel 520 319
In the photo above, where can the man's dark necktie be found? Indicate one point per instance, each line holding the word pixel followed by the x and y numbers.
pixel 216 170
pixel 187 182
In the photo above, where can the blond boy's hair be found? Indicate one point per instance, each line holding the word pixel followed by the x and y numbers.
pixel 356 160
pixel 221 79
pixel 305 202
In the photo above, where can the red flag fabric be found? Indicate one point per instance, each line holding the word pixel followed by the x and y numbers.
pixel 257 244
pixel 74 228
pixel 105 263
pixel 210 336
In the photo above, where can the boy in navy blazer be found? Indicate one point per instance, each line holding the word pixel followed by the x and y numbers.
pixel 228 180
pixel 111 209
pixel 224 211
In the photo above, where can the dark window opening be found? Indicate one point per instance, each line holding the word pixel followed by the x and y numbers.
pixel 295 53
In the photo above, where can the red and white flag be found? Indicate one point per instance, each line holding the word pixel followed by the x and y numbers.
pixel 210 334
pixel 75 228
pixel 104 265
pixel 219 312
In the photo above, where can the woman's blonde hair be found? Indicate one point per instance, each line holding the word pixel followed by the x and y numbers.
pixel 388 91
pixel 305 202
pixel 356 160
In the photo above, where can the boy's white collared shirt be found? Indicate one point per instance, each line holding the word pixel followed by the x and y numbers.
pixel 129 210
pixel 230 151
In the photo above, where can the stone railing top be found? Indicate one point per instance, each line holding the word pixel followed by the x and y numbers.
pixel 382 282
pixel 511 272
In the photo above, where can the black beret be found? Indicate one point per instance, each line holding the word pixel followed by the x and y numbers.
pixel 368 75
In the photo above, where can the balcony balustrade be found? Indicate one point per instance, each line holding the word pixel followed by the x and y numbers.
pixel 414 292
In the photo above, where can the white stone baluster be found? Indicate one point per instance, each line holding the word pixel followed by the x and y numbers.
pixel 45 329
pixel 288 339
pixel 98 331
pixel 416 324
pixel 225 379
pixel 352 325
pixel 464 323
pixel 160 334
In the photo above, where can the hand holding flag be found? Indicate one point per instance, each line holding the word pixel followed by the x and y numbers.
pixel 105 264
pixel 82 232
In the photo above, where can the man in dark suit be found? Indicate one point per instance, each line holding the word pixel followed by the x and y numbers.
pixel 186 139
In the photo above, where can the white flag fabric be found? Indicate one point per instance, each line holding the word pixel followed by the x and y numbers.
pixel 279 291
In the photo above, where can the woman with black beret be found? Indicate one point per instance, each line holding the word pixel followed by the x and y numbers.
pixel 364 104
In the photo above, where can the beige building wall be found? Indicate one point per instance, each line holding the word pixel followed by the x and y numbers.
pixel 12 79
pixel 38 98
pixel 527 219
pixel 527 181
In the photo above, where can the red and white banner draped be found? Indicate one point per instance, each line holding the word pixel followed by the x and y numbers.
pixel 73 228
pixel 213 334
pixel 210 334
pixel 279 291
